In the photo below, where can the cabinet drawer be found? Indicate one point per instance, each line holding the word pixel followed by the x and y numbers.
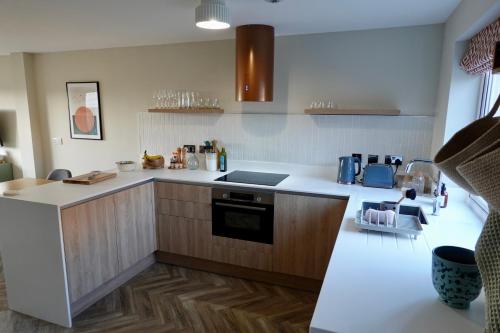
pixel 184 192
pixel 242 253
pixel 188 209
pixel 189 237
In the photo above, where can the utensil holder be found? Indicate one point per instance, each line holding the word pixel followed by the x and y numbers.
pixel 211 161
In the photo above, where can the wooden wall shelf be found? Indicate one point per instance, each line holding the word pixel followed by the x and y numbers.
pixel 188 110
pixel 352 112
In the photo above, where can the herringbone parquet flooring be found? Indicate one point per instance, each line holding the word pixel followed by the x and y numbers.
pixel 168 298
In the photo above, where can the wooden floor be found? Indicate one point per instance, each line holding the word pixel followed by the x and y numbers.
pixel 168 298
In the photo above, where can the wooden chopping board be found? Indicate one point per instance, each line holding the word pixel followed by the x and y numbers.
pixel 90 178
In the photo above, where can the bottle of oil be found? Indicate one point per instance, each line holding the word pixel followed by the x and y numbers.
pixel 223 160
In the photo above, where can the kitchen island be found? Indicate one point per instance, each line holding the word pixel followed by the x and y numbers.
pixel 374 282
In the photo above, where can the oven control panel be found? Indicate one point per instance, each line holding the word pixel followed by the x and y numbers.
pixel 243 196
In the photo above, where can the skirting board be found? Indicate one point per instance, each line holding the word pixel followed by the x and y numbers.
pixel 285 280
pixel 80 305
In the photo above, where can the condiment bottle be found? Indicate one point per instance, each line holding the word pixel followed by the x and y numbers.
pixel 223 160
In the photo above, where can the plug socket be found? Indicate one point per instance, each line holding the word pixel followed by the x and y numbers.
pixel 190 148
pixel 372 159
pixel 397 159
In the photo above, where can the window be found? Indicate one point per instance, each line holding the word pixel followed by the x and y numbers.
pixel 490 90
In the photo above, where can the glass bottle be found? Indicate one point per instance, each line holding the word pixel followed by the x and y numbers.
pixel 223 160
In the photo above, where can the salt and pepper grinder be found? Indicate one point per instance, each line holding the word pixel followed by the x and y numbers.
pixel 183 157
pixel 444 193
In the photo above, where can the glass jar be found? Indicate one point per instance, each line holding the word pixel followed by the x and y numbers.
pixel 192 162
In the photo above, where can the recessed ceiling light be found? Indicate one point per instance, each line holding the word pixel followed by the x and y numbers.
pixel 212 14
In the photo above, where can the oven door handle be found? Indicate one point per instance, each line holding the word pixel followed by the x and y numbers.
pixel 261 209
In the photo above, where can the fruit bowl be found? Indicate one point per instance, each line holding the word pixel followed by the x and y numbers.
pixel 153 161
pixel 154 164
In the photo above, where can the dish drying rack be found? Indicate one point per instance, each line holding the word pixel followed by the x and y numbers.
pixel 404 224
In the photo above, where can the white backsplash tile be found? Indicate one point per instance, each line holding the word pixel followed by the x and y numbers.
pixel 290 138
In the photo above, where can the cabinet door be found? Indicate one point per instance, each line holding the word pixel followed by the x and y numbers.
pixel 135 224
pixel 305 230
pixel 89 233
pixel 189 237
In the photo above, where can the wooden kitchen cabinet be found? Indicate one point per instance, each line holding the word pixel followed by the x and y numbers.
pixel 184 219
pixel 242 253
pixel 103 237
pixel 183 192
pixel 188 209
pixel 305 230
pixel 89 232
pixel 185 236
pixel 135 221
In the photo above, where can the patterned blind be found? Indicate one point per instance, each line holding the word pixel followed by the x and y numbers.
pixel 478 59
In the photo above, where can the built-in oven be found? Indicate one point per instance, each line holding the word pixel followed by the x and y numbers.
pixel 242 214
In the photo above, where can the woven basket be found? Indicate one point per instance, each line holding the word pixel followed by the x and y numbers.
pixel 481 136
pixel 488 261
pixel 483 175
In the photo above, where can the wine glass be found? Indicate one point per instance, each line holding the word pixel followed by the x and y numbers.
pixel 156 101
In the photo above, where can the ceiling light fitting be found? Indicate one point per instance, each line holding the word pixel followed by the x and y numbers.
pixel 212 14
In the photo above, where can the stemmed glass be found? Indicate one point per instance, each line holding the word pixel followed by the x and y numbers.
pixel 184 99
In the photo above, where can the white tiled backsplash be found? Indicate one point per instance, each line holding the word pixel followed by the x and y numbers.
pixel 291 138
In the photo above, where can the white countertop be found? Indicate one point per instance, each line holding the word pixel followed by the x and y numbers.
pixel 375 282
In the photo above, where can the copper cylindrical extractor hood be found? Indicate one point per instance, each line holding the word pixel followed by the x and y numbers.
pixel 254 63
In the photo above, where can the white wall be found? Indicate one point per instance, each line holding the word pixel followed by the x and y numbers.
pixel 390 68
pixel 292 138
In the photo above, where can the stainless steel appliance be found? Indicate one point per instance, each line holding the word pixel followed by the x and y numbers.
pixel 242 214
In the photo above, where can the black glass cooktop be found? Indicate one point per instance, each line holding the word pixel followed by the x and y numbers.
pixel 257 178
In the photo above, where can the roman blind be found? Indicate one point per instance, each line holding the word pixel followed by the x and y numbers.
pixel 478 58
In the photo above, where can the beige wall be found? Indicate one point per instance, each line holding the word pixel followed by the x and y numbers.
pixel 8 118
pixel 19 124
pixel 393 68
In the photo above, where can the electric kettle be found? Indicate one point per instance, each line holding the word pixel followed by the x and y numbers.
pixel 347 173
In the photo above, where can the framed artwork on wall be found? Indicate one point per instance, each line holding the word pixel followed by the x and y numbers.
pixel 84 110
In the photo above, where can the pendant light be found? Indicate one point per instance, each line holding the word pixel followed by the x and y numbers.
pixel 212 14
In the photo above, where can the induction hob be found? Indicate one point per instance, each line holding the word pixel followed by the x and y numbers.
pixel 256 178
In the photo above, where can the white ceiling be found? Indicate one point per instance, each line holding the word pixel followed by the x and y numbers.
pixel 56 25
